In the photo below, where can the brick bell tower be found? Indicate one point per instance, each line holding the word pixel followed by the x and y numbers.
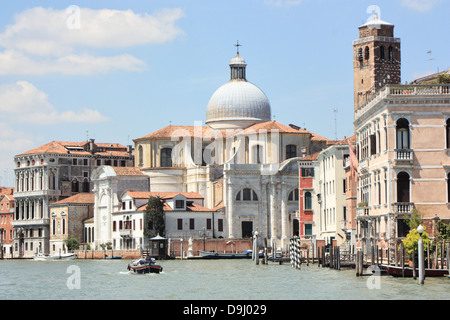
pixel 376 59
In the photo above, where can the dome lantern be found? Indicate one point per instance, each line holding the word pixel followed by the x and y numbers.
pixel 238 103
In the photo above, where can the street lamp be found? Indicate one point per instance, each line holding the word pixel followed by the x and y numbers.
pixel 421 258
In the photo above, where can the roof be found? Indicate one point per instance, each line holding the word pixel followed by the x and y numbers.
pixel 127 171
pixel 79 148
pixel 6 191
pixel 192 207
pixel 375 21
pixel 170 131
pixel 272 125
pixel 163 195
pixel 80 198
pixel 311 157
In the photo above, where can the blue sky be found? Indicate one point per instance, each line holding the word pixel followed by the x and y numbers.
pixel 116 70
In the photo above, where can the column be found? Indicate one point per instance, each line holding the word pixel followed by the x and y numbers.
pixel 284 216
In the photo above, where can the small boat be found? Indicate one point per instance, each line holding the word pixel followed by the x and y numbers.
pixel 114 257
pixel 141 266
pixel 41 257
pixel 408 272
pixel 63 256
pixel 217 255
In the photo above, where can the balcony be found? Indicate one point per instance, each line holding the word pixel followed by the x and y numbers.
pixel 403 207
pixel 125 232
pixel 404 155
pixel 397 92
pixel 362 211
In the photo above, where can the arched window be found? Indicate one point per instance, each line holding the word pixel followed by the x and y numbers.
pixel 293 195
pixel 403 187
pixel 258 154
pixel 366 53
pixel 448 187
pixel 246 194
pixel 75 187
pixel 447 133
pixel 382 53
pixel 85 186
pixel 291 151
pixel 141 156
pixel 166 157
pixel 402 129
pixel 391 53
pixel 308 200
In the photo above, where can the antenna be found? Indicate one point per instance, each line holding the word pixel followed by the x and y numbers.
pixel 335 124
pixel 87 135
pixel 431 59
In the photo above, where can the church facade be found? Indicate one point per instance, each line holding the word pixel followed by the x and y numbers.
pixel 241 160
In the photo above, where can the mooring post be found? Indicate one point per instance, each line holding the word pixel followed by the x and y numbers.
pixel 448 256
pixel 442 254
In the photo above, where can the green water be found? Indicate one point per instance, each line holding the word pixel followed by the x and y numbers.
pixel 203 280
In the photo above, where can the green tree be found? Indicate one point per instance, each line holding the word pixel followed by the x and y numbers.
pixel 411 241
pixel 443 230
pixel 154 215
pixel 414 220
pixel 443 78
pixel 72 243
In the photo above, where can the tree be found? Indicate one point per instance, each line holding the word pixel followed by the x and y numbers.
pixel 72 243
pixel 414 220
pixel 411 241
pixel 154 215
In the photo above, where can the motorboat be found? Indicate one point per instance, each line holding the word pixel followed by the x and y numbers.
pixel 114 257
pixel 141 266
pixel 408 272
pixel 217 255
pixel 63 256
pixel 39 256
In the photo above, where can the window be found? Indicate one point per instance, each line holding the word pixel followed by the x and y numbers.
pixel 293 195
pixel 191 224
pixel 307 172
pixel 291 151
pixel 220 225
pixel 308 229
pixel 114 226
pixel 75 187
pixel 179 204
pixel 402 129
pixel 447 133
pixel 391 53
pixel 247 195
pixel 85 162
pixel 308 201
pixel 360 54
pixel 180 224
pixel 166 157
pixel 258 154
pixel 74 162
pixel 448 187
pixel 366 53
pixel 208 223
pixel 403 187
pixel 382 53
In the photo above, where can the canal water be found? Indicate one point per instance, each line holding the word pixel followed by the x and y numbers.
pixel 203 280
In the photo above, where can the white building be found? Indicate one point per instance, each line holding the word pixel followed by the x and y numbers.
pixel 241 159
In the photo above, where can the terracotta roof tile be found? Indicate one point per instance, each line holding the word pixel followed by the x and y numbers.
pixel 79 148
pixel 87 198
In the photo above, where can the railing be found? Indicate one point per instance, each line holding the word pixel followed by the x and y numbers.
pixel 362 211
pixel 403 90
pixel 125 232
pixel 403 155
pixel 403 207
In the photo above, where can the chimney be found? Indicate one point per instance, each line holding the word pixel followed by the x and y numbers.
pixel 91 146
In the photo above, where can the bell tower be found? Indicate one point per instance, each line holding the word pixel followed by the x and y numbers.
pixel 376 59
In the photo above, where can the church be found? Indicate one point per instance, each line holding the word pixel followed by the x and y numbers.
pixel 241 161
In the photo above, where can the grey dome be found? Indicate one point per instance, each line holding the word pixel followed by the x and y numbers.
pixel 238 103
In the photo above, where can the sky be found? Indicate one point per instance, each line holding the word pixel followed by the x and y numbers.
pixel 115 71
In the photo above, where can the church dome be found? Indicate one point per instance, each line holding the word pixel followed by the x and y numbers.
pixel 238 103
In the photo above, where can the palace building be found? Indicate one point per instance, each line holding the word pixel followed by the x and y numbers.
pixel 402 142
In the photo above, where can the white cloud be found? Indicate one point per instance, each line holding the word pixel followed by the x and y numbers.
pixel 22 102
pixel 283 3
pixel 45 40
pixel 420 5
